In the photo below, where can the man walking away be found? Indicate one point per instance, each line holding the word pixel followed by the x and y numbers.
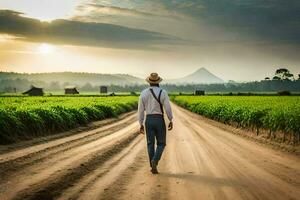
pixel 153 100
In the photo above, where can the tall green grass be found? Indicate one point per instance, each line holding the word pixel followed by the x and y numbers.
pixel 26 117
pixel 276 114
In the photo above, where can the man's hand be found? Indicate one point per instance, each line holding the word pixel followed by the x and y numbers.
pixel 142 129
pixel 170 127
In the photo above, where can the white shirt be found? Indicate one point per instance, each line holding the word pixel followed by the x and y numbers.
pixel 148 103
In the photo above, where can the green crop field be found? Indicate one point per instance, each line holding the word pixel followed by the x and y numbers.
pixel 24 117
pixel 275 114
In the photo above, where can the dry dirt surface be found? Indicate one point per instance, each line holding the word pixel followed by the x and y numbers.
pixel 201 161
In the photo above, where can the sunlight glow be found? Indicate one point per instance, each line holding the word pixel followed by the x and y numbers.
pixel 6 37
pixel 44 10
pixel 45 48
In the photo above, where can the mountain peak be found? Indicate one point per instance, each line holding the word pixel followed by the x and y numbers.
pixel 202 75
pixel 202 70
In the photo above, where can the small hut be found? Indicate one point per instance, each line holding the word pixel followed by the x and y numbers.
pixel 103 89
pixel 34 91
pixel 199 92
pixel 71 90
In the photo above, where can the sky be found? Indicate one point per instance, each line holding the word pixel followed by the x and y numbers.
pixel 241 40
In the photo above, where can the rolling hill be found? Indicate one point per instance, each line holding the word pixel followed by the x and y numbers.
pixel 74 78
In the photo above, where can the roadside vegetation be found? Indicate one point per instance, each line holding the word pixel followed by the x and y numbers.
pixel 279 117
pixel 26 117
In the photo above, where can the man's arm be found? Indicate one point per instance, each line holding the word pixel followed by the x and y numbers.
pixel 167 106
pixel 141 110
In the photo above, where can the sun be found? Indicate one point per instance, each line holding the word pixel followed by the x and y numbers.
pixel 45 48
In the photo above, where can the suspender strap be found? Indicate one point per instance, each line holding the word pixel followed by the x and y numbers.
pixel 158 100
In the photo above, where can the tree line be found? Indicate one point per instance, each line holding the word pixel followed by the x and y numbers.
pixel 283 80
pixel 21 85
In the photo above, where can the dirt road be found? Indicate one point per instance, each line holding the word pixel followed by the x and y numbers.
pixel 201 161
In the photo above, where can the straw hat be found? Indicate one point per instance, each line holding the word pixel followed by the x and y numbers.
pixel 154 78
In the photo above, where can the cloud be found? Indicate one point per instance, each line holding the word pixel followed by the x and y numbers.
pixel 96 10
pixel 269 21
pixel 117 10
pixel 81 33
pixel 276 21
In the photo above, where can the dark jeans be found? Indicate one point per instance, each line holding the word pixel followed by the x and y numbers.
pixel 155 129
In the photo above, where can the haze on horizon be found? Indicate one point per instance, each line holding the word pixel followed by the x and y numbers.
pixel 234 39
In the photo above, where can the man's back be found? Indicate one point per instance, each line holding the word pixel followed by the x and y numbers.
pixel 149 104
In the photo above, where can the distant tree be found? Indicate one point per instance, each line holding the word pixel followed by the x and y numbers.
pixel 276 78
pixel 54 86
pixel 87 87
pixel 298 76
pixel 283 74
pixel 8 90
pixel 66 84
pixel 289 77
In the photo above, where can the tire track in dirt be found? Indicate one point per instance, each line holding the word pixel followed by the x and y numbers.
pixel 62 163
pixel 53 187
pixel 114 176
pixel 136 182
pixel 94 182
pixel 26 152
pixel 273 163
pixel 14 165
pixel 220 159
pixel 25 145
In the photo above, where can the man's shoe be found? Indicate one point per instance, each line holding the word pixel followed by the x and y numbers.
pixel 154 167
